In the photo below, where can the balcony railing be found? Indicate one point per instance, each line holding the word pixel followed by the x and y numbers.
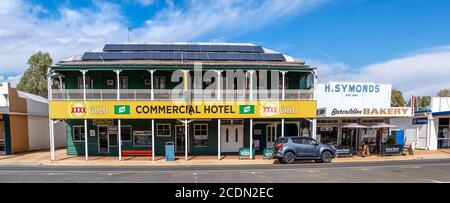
pixel 170 94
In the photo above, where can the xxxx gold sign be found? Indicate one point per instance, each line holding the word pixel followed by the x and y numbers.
pixel 181 110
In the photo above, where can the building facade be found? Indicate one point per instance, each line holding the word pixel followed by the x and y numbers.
pixel 431 127
pixel 351 114
pixel 24 122
pixel 206 98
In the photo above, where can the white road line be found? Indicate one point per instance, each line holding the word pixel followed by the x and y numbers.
pixel 437 181
pixel 226 170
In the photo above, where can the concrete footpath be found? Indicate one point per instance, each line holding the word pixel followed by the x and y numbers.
pixel 43 158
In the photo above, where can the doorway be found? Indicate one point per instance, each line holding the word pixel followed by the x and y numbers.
pixel 350 138
pixel 103 140
pixel 271 135
pixel 180 141
pixel 232 138
pixel 2 139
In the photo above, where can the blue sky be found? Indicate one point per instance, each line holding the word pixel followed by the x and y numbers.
pixel 382 41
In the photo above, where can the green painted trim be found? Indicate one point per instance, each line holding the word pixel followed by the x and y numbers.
pixel 206 67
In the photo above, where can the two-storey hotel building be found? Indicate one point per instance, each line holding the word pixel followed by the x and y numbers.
pixel 206 98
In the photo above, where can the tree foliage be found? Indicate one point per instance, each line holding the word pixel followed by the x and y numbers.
pixel 397 99
pixel 444 93
pixel 34 79
pixel 421 103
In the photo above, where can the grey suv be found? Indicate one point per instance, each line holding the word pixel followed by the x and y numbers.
pixel 288 149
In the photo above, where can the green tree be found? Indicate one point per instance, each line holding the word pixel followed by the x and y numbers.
pixel 397 99
pixel 444 93
pixel 421 103
pixel 34 79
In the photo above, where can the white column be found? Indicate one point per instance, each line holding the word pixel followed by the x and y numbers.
pixel 152 97
pixel 153 139
pixel 52 140
pixel 119 131
pixel 251 84
pixel 218 139
pixel 283 80
pixel 118 83
pixel 86 149
pixel 251 120
pixel 251 138
pixel 314 120
pixel 283 93
pixel 119 137
pixel 152 91
pixel 50 121
pixel 219 80
pixel 84 84
pixel 185 139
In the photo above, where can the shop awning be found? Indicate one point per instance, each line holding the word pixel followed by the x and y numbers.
pixel 353 125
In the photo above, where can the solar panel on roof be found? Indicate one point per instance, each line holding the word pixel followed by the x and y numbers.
pixel 183 48
pixel 182 55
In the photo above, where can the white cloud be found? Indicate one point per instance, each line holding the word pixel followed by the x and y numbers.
pixel 423 73
pixel 23 31
pixel 14 80
pixel 146 2
pixel 215 17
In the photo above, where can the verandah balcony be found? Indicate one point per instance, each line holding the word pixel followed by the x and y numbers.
pixel 170 94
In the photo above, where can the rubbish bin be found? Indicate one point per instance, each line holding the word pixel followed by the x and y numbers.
pixel 170 151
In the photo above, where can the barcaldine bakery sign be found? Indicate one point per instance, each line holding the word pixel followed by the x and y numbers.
pixel 371 112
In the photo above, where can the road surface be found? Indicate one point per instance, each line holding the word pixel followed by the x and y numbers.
pixel 426 171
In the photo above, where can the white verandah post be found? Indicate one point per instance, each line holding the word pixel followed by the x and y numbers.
pixel 251 120
pixel 119 123
pixel 50 121
pixel 219 79
pixel 283 93
pixel 86 149
pixel 152 97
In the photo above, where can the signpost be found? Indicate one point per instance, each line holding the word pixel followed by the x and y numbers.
pixel 392 149
pixel 344 151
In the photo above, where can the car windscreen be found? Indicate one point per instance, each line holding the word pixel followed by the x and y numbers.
pixel 282 140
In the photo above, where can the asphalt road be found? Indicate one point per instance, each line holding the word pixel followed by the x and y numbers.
pixel 417 171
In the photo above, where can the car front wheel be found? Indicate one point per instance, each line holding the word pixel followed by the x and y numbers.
pixel 326 157
pixel 289 158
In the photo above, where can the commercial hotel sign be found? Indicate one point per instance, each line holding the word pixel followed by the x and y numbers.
pixel 181 110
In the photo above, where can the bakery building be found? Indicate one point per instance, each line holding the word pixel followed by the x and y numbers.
pixel 204 98
pixel 24 122
pixel 353 113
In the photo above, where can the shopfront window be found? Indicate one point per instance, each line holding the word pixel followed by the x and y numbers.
pixel 125 131
pixel 142 138
pixel 349 137
pixel 327 134
pixel 443 133
pixel 78 133
pixel 200 135
pixel 163 130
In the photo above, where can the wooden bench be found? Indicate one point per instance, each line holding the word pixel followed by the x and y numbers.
pixel 140 152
